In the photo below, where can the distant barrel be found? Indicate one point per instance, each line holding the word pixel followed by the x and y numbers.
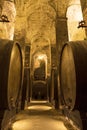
pixel 73 75
pixel 39 90
pixel 26 78
pixel 10 74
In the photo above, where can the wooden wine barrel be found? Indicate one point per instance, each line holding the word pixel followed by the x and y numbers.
pixel 10 74
pixel 53 88
pixel 39 90
pixel 73 75
pixel 26 78
pixel 49 79
pixel 26 89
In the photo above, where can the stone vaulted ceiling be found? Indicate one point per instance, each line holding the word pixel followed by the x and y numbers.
pixel 35 18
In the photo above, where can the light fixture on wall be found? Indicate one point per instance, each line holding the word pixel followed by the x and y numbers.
pixel 82 24
pixel 4 18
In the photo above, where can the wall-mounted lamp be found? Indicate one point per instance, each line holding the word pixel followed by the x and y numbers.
pixel 4 18
pixel 82 24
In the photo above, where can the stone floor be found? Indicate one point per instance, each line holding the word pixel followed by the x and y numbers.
pixel 40 116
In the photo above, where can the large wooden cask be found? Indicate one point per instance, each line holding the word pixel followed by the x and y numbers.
pixel 73 75
pixel 11 68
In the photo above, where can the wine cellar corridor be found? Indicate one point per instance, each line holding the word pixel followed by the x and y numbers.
pixel 43 64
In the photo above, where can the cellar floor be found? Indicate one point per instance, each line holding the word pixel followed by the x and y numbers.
pixel 39 116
